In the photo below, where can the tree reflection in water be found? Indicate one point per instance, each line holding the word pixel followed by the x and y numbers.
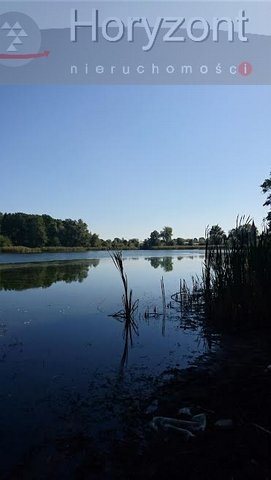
pixel 43 275
pixel 166 263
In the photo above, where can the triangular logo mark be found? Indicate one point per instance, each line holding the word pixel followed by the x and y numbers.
pixel 17 41
pixel 11 33
pixel 22 33
pixel 17 26
pixel 11 48
pixel 6 26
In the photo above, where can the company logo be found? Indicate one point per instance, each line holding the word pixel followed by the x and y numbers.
pixel 20 40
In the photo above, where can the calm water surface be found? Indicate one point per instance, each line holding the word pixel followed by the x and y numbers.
pixel 60 349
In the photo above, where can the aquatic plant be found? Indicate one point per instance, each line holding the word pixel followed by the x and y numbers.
pixel 129 305
pixel 126 315
pixel 235 286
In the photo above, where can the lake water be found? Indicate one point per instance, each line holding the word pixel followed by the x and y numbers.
pixel 61 351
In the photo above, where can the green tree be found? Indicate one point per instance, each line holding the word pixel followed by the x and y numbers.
pixel 95 241
pixel 82 233
pixel 133 243
pixel 4 241
pixel 216 235
pixel 35 232
pixel 166 234
pixel 24 229
pixel 117 242
pixel 266 188
pixel 42 230
pixel 179 241
pixel 107 243
pixel 154 240
pixel 52 230
pixel 74 233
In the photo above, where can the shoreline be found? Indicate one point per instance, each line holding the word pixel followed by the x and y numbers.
pixel 233 384
pixel 27 250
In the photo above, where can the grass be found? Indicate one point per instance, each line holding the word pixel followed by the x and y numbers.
pixel 235 287
pixel 22 249
pixel 178 247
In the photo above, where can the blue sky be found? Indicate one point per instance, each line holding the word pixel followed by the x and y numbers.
pixel 132 159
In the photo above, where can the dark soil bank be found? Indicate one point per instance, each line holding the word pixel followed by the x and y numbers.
pixel 234 385
pixel 237 388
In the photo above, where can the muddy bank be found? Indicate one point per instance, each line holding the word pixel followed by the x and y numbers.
pixel 234 385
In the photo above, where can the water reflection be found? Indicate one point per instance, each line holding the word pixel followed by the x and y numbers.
pixel 18 277
pixel 129 308
pixel 130 329
pixel 166 263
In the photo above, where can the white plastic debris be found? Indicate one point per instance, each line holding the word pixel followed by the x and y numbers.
pixel 201 420
pixel 165 424
pixel 185 428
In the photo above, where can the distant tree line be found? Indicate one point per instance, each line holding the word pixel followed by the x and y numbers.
pixel 42 230
pixel 164 238
pixel 37 231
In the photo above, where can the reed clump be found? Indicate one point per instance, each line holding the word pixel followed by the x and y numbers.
pixel 237 278
pixel 234 291
pixel 22 249
pixel 126 315
pixel 129 306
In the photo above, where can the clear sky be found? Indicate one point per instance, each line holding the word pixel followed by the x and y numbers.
pixel 132 159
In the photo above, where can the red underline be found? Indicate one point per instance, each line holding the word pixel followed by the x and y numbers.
pixel 24 56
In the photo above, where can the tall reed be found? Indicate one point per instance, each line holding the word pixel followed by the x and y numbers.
pixel 129 308
pixel 236 277
pixel 234 290
pixel 127 299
